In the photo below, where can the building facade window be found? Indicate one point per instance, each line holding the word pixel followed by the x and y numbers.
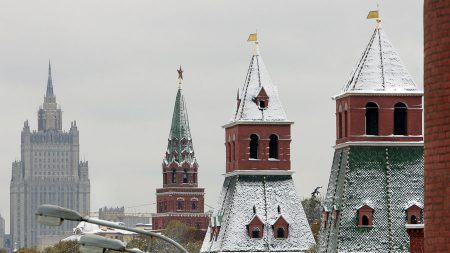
pixel 273 146
pixel 400 119
pixel 174 176
pixel 371 118
pixel 185 176
pixel 254 139
pixel 180 204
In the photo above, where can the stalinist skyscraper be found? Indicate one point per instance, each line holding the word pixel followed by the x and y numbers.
pixel 49 172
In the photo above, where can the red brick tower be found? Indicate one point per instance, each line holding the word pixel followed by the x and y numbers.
pixel 258 209
pixel 375 191
pixel 180 198
pixel 437 125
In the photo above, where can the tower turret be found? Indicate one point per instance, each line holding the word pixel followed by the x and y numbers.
pixel 258 135
pixel 377 169
pixel 180 198
pixel 380 102
pixel 258 208
pixel 49 115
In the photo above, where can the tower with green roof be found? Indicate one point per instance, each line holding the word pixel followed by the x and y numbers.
pixel 180 198
pixel 375 190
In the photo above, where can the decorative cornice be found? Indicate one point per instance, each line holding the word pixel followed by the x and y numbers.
pixel 234 123
pixel 379 94
pixel 380 144
pixel 180 214
pixel 180 193
pixel 259 173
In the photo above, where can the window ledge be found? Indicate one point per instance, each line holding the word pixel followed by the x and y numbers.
pixel 253 159
pixel 274 159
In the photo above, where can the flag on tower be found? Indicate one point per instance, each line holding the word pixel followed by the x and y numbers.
pixel 252 37
pixel 372 14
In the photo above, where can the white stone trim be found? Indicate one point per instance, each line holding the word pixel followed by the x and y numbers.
pixel 380 144
pixel 414 226
pixel 260 173
pixel 256 122
pixel 179 193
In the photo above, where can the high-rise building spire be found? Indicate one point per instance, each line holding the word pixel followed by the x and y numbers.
pixel 49 92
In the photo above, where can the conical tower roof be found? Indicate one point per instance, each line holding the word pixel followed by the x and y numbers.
pixel 380 70
pixel 180 148
pixel 49 92
pixel 257 80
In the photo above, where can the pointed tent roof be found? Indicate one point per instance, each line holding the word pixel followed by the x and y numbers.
pixel 258 78
pixel 180 140
pixel 380 70
pixel 49 92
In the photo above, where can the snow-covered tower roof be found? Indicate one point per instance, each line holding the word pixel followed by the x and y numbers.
pixel 380 70
pixel 258 83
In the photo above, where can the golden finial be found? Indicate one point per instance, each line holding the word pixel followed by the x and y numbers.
pixel 253 37
pixel 375 15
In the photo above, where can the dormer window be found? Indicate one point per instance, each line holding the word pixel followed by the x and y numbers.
pixel 365 214
pixel 262 100
pixel 281 228
pixel 255 227
pixel 414 214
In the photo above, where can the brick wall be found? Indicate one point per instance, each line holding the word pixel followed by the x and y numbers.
pixel 437 125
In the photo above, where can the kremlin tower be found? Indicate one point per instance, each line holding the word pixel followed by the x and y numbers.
pixel 258 208
pixel 375 192
pixel 180 198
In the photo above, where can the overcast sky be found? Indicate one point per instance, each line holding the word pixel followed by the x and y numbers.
pixel 114 71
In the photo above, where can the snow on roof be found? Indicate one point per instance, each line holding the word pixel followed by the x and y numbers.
pixel 385 178
pixel 238 197
pixel 257 78
pixel 414 203
pixel 380 70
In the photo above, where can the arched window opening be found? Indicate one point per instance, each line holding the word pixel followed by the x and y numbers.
pixel 273 146
pixel 371 119
pixel 262 104
pixel 185 176
pixel 280 233
pixel 413 219
pixel 345 124
pixel 400 119
pixel 229 152
pixel 194 205
pixel 365 220
pixel 194 177
pixel 254 209
pixel 232 151
pixel 254 139
pixel 339 125
pixel 174 176
pixel 165 178
pixel 255 232
pixel 279 209
pixel 180 205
